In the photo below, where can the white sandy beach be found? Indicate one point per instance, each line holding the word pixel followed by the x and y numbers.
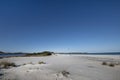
pixel 79 67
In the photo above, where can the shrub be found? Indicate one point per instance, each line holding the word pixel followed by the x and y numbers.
pixel 104 63
pixel 65 73
pixel 111 65
pixel 41 62
pixel 6 64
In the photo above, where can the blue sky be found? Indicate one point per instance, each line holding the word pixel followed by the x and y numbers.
pixel 60 25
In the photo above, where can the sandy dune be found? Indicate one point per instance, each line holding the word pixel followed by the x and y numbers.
pixel 62 67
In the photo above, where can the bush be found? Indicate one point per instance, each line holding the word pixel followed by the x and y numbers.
pixel 111 65
pixel 41 62
pixel 65 73
pixel 6 64
pixel 104 63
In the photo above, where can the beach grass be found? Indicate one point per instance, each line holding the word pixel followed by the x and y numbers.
pixel 7 64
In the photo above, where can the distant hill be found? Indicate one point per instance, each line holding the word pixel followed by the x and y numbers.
pixel 44 53
pixel 1 52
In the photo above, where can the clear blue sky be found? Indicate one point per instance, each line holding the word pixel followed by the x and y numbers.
pixel 60 25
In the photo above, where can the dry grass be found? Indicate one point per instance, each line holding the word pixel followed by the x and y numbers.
pixel 7 64
pixel 41 62
pixel 65 73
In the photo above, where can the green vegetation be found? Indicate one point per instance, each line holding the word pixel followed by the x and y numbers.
pixel 45 53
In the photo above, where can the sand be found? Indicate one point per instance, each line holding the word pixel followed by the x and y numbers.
pixel 62 67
